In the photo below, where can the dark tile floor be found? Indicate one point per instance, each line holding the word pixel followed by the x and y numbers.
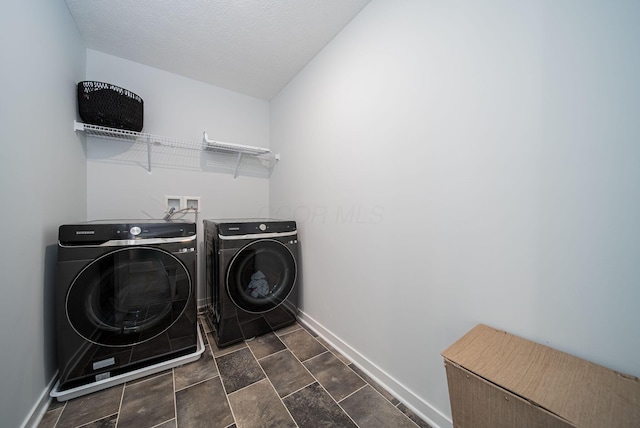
pixel 290 378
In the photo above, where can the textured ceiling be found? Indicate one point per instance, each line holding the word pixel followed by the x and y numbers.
pixel 253 47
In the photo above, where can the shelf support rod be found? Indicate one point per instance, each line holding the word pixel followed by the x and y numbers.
pixel 235 173
pixel 149 153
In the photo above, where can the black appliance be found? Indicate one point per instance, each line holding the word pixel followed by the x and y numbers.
pixel 125 301
pixel 251 277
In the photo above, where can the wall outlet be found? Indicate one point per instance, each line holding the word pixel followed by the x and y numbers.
pixel 174 202
pixel 192 202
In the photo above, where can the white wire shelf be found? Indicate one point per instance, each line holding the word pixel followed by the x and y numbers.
pixel 123 134
pixel 208 144
pixel 264 155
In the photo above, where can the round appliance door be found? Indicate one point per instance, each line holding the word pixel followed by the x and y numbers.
pixel 261 275
pixel 128 296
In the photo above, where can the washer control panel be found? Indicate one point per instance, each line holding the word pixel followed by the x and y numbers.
pixel 103 231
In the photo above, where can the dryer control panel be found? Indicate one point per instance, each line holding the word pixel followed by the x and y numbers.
pixel 255 226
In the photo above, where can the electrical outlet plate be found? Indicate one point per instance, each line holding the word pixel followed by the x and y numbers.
pixel 191 202
pixel 174 202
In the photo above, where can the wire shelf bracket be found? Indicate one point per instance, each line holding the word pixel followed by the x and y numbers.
pixel 240 149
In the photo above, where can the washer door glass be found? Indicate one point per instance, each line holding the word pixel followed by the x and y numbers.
pixel 261 276
pixel 128 296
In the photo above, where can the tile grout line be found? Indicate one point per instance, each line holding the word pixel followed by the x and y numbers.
pixel 300 389
pixel 271 383
pixel 335 401
pixel 93 421
pixel 382 395
pixel 64 406
pixel 315 356
pixel 275 353
pixel 228 352
pixel 226 395
pixel 96 420
pixel 162 423
pixel 407 416
pixel 121 401
pixel 253 383
pixel 281 334
pixel 359 389
pixel 286 348
pixel 175 400
pixel 196 383
pixel 199 381
pixel 316 379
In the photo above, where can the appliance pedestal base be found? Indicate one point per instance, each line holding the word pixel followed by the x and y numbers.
pixel 79 391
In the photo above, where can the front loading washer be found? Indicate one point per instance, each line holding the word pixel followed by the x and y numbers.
pixel 125 302
pixel 251 277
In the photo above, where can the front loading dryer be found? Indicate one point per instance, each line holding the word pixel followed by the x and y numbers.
pixel 251 277
pixel 125 302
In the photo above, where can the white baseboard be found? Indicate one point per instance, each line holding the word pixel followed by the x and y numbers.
pixel 40 408
pixel 419 406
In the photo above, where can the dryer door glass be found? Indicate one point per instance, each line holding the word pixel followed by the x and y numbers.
pixel 128 296
pixel 261 276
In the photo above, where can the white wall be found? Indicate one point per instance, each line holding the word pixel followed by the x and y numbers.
pixel 119 184
pixel 42 185
pixel 454 163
